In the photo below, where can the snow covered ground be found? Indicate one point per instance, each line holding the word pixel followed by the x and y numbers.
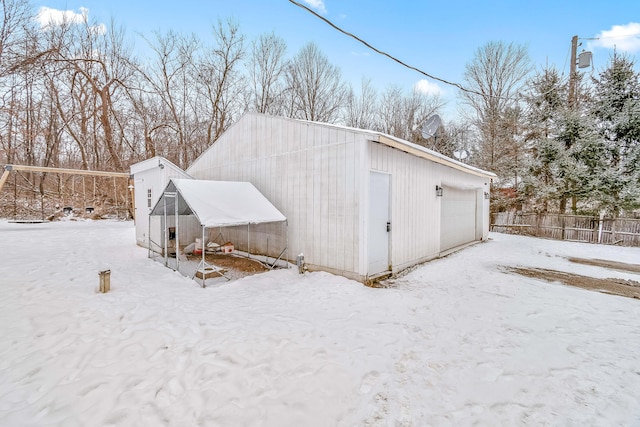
pixel 456 342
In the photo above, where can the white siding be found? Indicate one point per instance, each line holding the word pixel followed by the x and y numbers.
pixel 149 176
pixel 317 175
pixel 308 171
pixel 415 208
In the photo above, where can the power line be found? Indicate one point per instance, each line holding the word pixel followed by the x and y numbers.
pixel 621 36
pixel 393 58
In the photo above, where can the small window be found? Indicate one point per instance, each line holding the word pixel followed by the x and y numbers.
pixel 149 198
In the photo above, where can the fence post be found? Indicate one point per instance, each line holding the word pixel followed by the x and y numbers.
pixel 105 281
pixel 600 221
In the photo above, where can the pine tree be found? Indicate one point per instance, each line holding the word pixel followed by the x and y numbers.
pixel 549 161
pixel 616 110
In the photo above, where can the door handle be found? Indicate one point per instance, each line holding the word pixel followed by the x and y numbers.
pixel 388 226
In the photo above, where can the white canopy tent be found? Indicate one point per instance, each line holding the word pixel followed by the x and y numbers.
pixel 215 204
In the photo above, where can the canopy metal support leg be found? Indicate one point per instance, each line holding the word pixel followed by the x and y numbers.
pixel 204 268
pixel 149 237
pixel 177 225
pixel 164 231
pixel 204 276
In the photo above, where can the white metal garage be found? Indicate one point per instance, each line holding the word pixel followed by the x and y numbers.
pixel 359 203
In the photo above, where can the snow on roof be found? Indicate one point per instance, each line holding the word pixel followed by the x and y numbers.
pixel 218 203
pixel 153 162
pixel 408 147
pixel 380 137
pixel 394 142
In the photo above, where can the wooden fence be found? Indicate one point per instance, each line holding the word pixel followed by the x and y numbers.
pixel 576 228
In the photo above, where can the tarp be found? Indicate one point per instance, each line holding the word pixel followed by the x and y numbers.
pixel 218 203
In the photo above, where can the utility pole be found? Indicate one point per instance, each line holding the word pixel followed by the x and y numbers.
pixel 572 74
pixel 572 107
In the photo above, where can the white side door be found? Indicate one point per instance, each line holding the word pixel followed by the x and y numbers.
pixel 379 223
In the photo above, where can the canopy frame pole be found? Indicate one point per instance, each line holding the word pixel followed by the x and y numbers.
pixel 149 238
pixel 203 266
pixel 164 232
pixel 286 226
pixel 204 275
pixel 15 196
pixel 177 225
pixel 248 242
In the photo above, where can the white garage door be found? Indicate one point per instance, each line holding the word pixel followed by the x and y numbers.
pixel 458 217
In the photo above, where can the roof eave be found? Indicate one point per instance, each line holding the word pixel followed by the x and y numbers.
pixel 427 154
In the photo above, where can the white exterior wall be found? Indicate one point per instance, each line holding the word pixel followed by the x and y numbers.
pixel 312 173
pixel 150 179
pixel 148 175
pixel 318 176
pixel 415 208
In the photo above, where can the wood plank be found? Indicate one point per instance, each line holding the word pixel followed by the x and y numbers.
pixel 3 179
pixel 65 171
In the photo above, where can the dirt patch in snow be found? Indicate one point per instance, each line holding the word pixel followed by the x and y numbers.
pixel 613 265
pixel 233 266
pixel 625 288
pixel 236 262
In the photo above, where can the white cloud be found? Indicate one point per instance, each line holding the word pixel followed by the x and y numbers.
pixel 47 16
pixel 428 88
pixel 625 38
pixel 317 5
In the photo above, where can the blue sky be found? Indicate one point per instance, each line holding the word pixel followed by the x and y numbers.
pixel 437 37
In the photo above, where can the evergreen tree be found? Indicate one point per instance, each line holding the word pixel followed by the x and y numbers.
pixel 578 166
pixel 615 160
pixel 549 160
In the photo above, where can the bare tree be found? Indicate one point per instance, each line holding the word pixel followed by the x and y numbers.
pixel 495 75
pixel 94 62
pixel 267 65
pixel 16 16
pixel 392 119
pixel 152 124
pixel 221 82
pixel 361 109
pixel 15 42
pixel 403 116
pixel 317 92
pixel 170 77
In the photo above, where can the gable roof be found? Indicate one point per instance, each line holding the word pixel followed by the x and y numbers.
pixel 434 156
pixel 218 203
pixel 157 161
pixel 380 137
pixel 408 147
